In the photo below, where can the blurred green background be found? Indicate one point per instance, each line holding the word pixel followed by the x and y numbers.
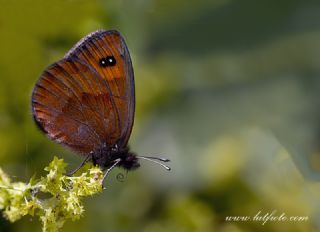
pixel 228 90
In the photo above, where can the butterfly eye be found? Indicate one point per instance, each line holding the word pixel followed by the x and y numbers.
pixel 107 61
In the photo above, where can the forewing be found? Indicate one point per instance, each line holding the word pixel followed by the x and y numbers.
pixel 118 80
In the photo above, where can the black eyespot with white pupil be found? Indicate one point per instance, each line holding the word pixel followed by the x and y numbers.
pixel 107 61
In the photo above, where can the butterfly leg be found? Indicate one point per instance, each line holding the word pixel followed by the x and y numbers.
pixel 82 163
pixel 116 162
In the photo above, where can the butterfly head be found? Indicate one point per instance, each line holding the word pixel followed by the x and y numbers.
pixel 129 162
pixel 105 157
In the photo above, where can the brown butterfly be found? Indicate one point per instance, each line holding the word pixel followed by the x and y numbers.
pixel 86 101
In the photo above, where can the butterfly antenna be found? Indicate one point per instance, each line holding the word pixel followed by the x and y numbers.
pixel 155 160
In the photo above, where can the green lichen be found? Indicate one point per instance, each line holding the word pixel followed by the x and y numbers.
pixel 53 198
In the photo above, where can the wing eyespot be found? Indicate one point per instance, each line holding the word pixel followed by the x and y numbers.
pixel 107 61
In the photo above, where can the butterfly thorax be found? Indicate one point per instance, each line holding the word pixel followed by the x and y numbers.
pixel 106 156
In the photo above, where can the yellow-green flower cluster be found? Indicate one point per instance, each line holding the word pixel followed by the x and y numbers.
pixel 54 198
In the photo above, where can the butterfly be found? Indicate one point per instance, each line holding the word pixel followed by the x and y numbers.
pixel 86 102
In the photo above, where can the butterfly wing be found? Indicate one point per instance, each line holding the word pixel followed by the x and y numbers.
pixel 119 78
pixel 82 105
